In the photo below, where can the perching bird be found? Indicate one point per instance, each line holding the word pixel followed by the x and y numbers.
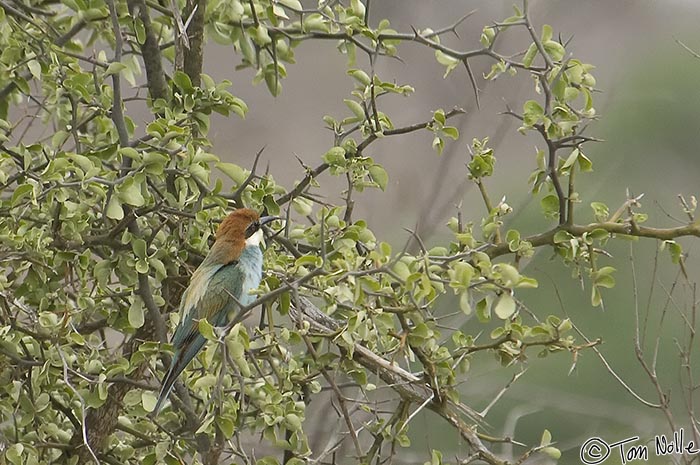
pixel 218 288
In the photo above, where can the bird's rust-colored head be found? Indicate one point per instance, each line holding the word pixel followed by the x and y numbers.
pixel 239 228
pixel 234 226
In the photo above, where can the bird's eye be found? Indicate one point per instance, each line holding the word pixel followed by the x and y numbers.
pixel 252 227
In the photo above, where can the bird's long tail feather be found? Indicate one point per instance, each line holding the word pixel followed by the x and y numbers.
pixel 176 367
pixel 182 357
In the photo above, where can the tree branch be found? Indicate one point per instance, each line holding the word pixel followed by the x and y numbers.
pixel 194 55
pixel 547 238
pixel 150 51
pixel 410 387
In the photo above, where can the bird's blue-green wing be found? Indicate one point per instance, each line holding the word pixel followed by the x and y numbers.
pixel 219 299
pixel 223 295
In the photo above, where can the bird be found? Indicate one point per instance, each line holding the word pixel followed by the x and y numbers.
pixel 218 288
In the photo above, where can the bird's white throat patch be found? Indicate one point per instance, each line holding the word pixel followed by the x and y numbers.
pixel 255 239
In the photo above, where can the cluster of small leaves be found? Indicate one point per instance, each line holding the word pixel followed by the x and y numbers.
pixel 266 32
pixel 482 160
pixel 441 130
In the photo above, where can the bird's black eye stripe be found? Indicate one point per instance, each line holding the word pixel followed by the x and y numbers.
pixel 250 230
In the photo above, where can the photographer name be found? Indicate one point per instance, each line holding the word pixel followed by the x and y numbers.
pixel 596 450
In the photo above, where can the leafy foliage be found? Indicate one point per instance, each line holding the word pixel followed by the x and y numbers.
pixel 103 221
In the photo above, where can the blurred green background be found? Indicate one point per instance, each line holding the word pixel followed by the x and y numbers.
pixel 648 107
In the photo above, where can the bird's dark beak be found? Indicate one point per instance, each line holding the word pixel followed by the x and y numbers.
pixel 268 219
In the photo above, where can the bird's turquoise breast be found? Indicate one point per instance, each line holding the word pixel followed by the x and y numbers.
pixel 250 264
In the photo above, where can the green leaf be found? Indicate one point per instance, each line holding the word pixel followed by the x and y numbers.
pixel 356 108
pixel 335 156
pixel 449 62
pixel 34 68
pixel 532 113
pixel 438 144
pixel 83 162
pixel 596 298
pixel 136 313
pixel 22 85
pixel 183 81
pixel 130 193
pixel 599 234
pixel 675 250
pixel 464 303
pixel 462 274
pixel 483 311
pixel 379 175
pixel 115 68
pixel 487 36
pixel 139 247
pixel 140 31
pixel 129 152
pixel 527 283
pixel 14 453
pixel 571 159
pixel 451 132
pixel 530 55
pixel 316 22
pixel 102 271
pixel 435 458
pixel 302 206
pixel 546 33
pixel 509 274
pixel 554 49
pixel 226 426
pixel 294 4
pixel 269 460
pixel 505 306
pixel 148 400
pixel 360 76
pixel 552 452
pixel 261 36
pixel 603 278
pixel 605 271
pixel 584 163
pixel 293 422
pixel 358 9
pixel 21 192
pixel 482 165
pixel 308 260
pixel 546 438
pixel 114 209
pixel 550 206
pixel 600 211
pixel 402 270
pixel 233 171
pixel 205 381
pixel 206 329
pixel 420 333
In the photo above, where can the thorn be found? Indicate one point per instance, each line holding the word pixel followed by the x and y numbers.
pixel 257 157
pixel 472 79
pixel 566 44
pixel 462 19
pixel 236 197
pixel 301 162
